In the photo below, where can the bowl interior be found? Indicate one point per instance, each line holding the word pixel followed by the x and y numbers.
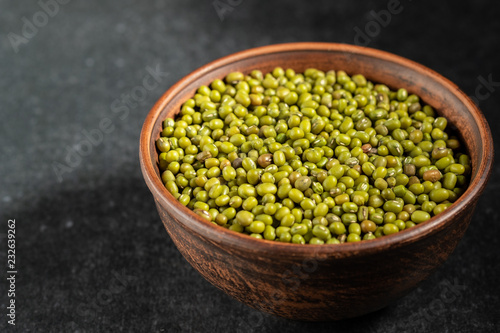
pixel 377 66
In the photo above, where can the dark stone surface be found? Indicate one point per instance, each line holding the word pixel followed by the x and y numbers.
pixel 92 254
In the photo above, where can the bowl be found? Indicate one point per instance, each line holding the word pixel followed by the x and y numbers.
pixel 321 282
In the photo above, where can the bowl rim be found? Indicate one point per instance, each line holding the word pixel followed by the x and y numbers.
pixel 366 247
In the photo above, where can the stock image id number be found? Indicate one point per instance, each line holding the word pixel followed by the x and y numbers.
pixel 11 244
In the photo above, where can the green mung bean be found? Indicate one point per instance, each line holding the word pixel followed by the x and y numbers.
pixel 313 157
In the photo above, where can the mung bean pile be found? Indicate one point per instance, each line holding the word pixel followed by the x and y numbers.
pixel 314 157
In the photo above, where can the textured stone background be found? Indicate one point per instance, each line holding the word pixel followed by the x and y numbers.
pixel 92 254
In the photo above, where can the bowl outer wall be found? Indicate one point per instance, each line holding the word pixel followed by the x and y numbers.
pixel 314 288
pixel 440 233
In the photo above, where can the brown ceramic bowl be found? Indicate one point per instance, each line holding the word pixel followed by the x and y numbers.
pixel 321 282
